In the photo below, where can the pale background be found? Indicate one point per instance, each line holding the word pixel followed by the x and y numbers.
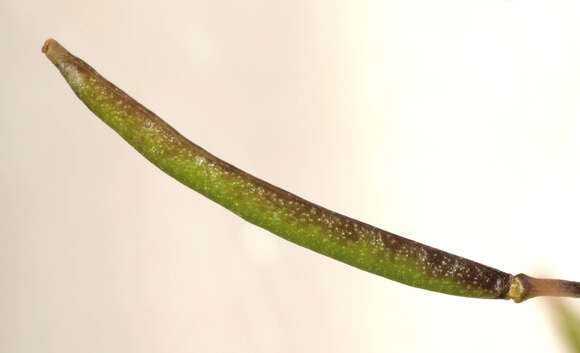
pixel 455 123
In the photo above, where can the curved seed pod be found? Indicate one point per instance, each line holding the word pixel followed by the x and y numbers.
pixel 282 213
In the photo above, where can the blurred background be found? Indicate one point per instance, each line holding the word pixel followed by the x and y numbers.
pixel 454 123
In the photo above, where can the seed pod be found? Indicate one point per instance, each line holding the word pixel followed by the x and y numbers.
pixel 282 213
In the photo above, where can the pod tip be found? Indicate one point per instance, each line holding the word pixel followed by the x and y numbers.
pixel 55 52
pixel 46 44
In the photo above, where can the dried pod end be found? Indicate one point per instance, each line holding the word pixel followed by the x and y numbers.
pixel 46 44
pixel 55 52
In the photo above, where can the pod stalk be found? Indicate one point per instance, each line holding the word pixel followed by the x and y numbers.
pixel 523 287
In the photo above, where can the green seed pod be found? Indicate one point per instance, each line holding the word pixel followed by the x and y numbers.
pixel 282 213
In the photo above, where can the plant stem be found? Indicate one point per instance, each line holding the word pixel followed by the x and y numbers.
pixel 525 287
pixel 287 215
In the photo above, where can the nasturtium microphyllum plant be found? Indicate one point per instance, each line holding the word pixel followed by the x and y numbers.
pixel 287 215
